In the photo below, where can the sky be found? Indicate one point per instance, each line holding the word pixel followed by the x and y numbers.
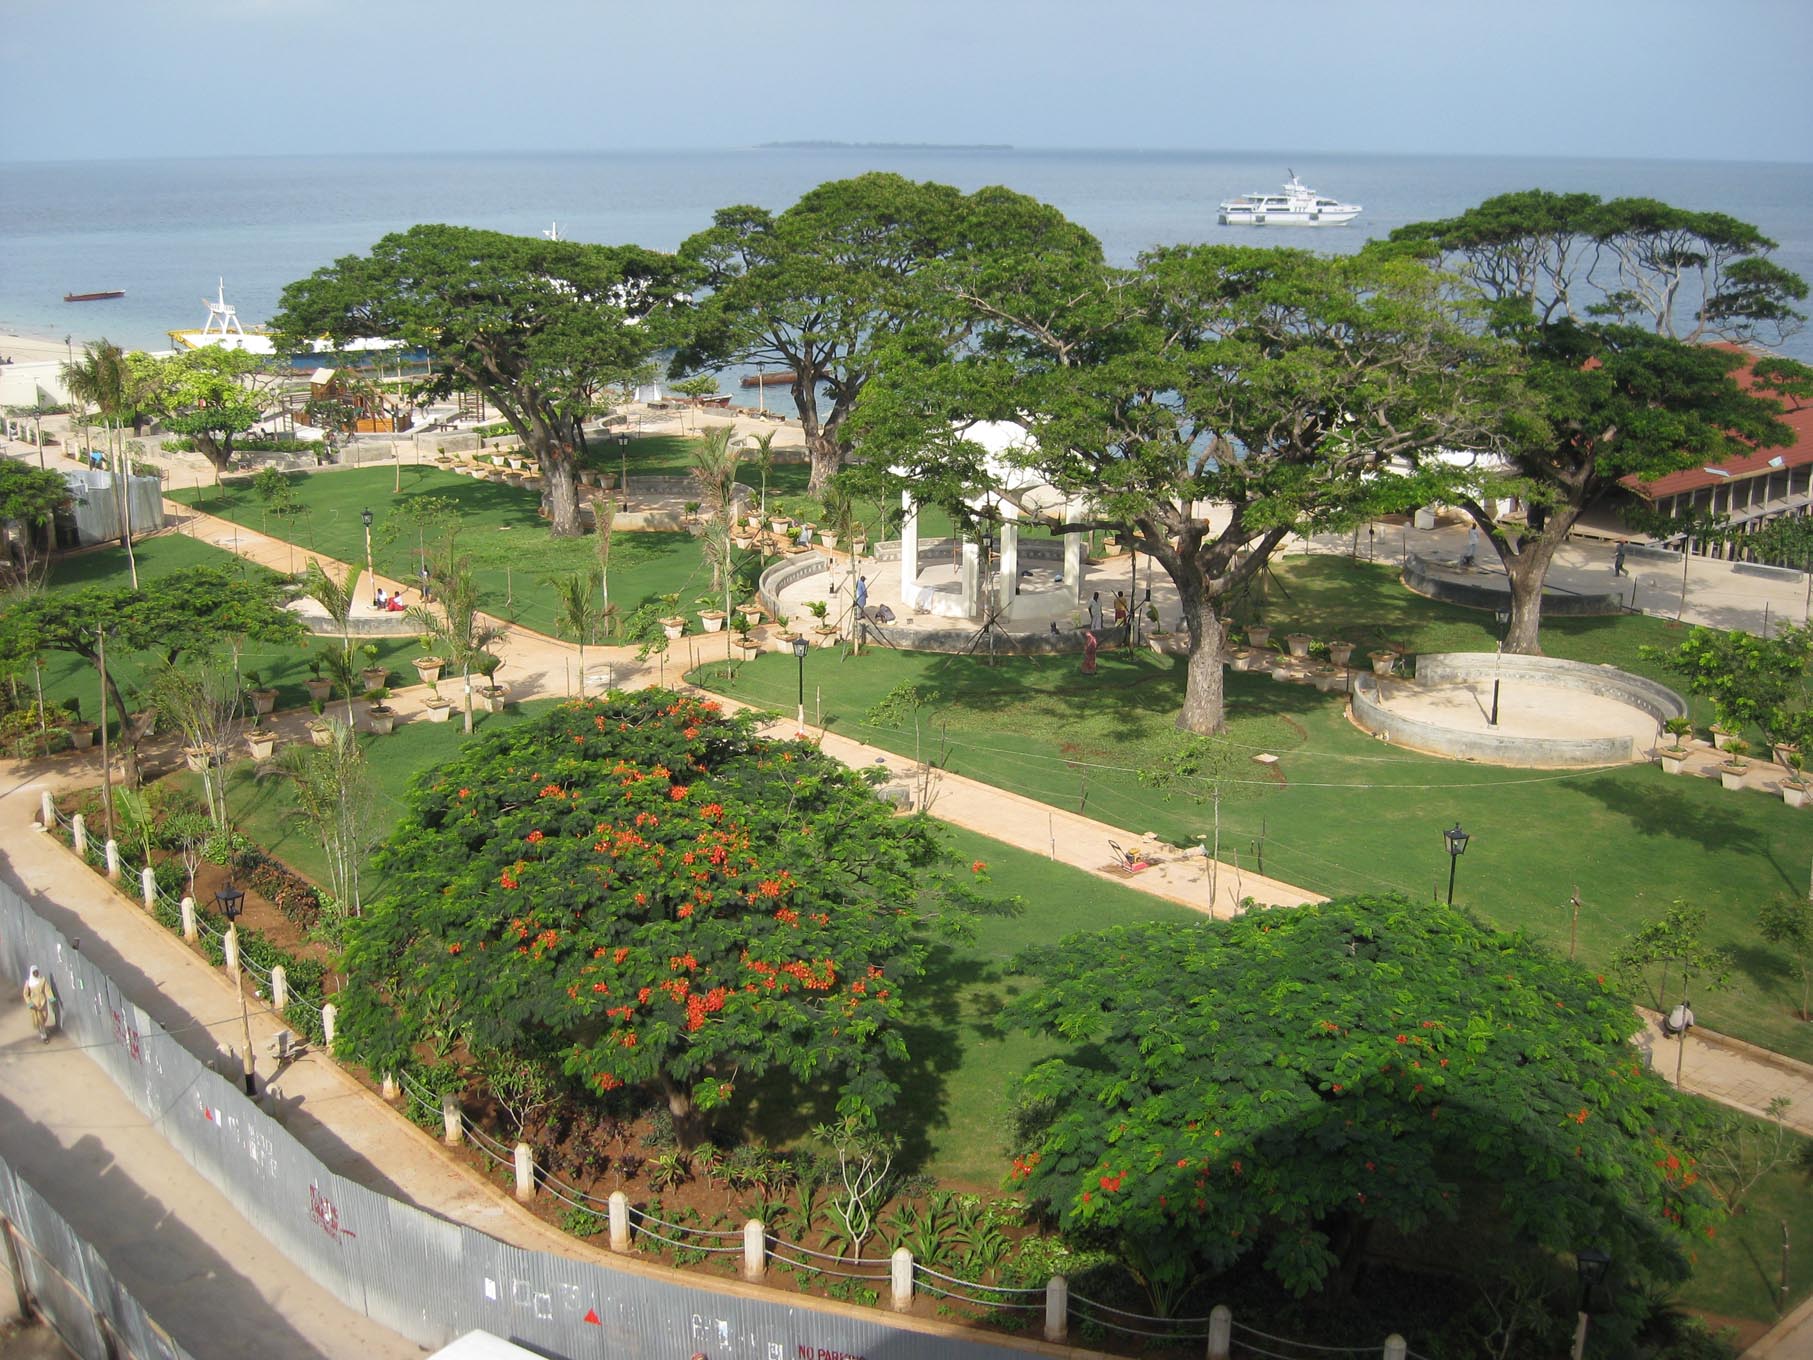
pixel 1667 79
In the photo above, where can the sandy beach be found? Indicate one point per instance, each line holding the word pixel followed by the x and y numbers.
pixel 29 349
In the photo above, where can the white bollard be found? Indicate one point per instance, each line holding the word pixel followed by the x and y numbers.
pixel 231 945
pixel 280 988
pixel 330 1014
pixel 452 1132
pixel 113 859
pixel 902 1279
pixel 525 1172
pixel 755 1250
pixel 388 1087
pixel 189 928
pixel 620 1220
pixel 1221 1331
pixel 147 886
pixel 1057 1308
pixel 78 835
pixel 47 810
pixel 1396 1347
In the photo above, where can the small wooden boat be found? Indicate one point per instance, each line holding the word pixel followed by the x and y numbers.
pixel 95 297
pixel 772 378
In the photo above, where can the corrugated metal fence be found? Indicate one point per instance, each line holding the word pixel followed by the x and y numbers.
pixel 418 1274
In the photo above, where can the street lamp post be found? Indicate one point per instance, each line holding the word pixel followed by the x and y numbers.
pixel 232 902
pixel 370 569
pixel 799 654
pixel 1592 1265
pixel 623 468
pixel 1504 624
pixel 1457 846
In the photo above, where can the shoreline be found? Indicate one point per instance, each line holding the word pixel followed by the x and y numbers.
pixel 24 348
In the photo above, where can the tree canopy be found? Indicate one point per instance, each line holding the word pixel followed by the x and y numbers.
pixel 1609 303
pixel 213 395
pixel 29 497
pixel 540 328
pixel 1283 1081
pixel 1277 385
pixel 818 288
pixel 647 893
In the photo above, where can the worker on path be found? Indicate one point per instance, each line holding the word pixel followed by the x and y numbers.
pixel 41 999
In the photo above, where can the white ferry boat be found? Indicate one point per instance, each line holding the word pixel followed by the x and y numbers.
pixel 1296 206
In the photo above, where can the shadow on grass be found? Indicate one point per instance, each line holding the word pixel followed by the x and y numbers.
pixel 1653 811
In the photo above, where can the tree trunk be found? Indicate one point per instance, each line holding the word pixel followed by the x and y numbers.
pixel 1204 709
pixel 562 493
pixel 1349 1236
pixel 827 458
pixel 688 1127
pixel 1526 570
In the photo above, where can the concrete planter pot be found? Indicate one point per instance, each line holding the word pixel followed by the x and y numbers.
pixel 674 628
pixel 373 676
pixel 429 668
pixel 321 733
pixel 264 701
pixel 1340 652
pixel 1327 680
pixel 491 698
pixel 1258 636
pixel 81 735
pixel 261 744
pixel 383 719
pixel 1673 759
pixel 1722 737
pixel 1383 663
pixel 1298 643
pixel 827 635
pixel 438 710
pixel 751 612
pixel 198 758
pixel 1784 749
pixel 713 619
pixel 319 689
pixel 1794 793
pixel 1731 774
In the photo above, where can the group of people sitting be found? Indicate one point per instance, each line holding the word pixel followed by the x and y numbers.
pixel 391 603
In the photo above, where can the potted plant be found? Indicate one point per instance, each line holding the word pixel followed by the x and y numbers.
pixel 319 688
pixel 81 734
pixel 199 758
pixel 1731 771
pixel 1795 786
pixel 1674 755
pixel 429 668
pixel 826 630
pixel 264 700
pixel 713 619
pixel 1724 733
pixel 373 674
pixel 1782 750
pixel 1383 662
pixel 1339 652
pixel 437 709
pixel 742 626
pixel 261 741
pixel 383 716
pixel 320 731
pixel 751 612
pixel 1258 634
pixel 1298 643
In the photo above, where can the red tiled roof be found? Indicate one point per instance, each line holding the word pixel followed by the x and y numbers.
pixel 1797 452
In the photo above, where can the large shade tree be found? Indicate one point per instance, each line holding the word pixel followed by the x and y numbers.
pixel 213 395
pixel 819 288
pixel 542 329
pixel 1283 1082
pixel 1612 305
pixel 649 894
pixel 1208 404
pixel 29 501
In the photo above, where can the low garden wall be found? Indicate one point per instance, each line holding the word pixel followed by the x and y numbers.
pixel 1424 578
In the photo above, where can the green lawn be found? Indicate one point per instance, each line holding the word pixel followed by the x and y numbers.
pixel 1341 812
pixel 508 546
pixel 67 676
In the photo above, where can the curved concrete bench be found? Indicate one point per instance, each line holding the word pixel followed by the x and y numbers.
pixel 1422 576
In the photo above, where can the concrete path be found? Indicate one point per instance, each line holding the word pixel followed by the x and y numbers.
pixel 200 1269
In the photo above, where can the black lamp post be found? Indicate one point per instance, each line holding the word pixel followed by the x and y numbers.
pixel 365 518
pixel 1504 624
pixel 799 654
pixel 623 467
pixel 1457 846
pixel 232 902
pixel 1593 1265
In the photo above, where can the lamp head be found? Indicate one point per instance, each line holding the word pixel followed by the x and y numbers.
pixel 623 439
pixel 1456 839
pixel 365 516
pixel 232 901
pixel 1592 1265
pixel 800 646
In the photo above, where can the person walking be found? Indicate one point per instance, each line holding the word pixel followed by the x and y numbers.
pixel 1095 611
pixel 40 999
pixel 1618 559
pixel 862 594
pixel 1120 618
pixel 1472 554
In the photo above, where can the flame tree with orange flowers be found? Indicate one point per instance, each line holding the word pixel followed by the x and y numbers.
pixel 644 892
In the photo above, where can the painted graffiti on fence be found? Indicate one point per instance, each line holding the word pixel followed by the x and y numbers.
pixel 326 1216
pixel 127 1033
pixel 820 1353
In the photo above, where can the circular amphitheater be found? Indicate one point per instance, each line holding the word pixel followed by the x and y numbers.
pixel 1550 713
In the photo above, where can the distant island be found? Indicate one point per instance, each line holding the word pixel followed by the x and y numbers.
pixel 883 146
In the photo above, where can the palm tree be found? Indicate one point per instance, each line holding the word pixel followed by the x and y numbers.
pixel 336 597
pixel 101 378
pixel 455 627
pixel 579 611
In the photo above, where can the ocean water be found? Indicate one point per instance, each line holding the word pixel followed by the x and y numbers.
pixel 167 230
